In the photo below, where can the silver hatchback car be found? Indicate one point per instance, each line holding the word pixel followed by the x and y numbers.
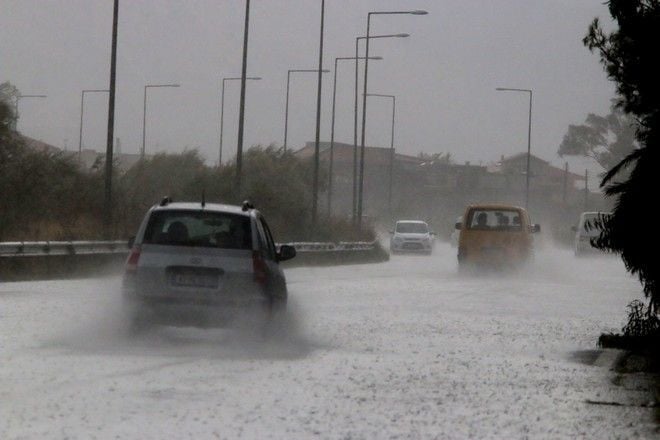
pixel 203 264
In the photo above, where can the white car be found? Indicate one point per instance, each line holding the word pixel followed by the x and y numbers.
pixel 411 236
pixel 201 264
pixel 585 231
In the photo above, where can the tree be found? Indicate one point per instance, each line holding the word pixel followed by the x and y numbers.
pixel 8 116
pixel 605 139
pixel 629 55
pixel 440 158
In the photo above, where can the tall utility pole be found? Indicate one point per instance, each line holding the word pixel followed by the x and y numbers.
pixel 107 205
pixel 315 186
pixel 241 113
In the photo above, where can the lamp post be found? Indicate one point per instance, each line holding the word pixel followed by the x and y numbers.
pixel 332 125
pixel 18 98
pixel 82 109
pixel 222 108
pixel 391 162
pixel 144 113
pixel 355 116
pixel 315 178
pixel 529 137
pixel 241 110
pixel 286 106
pixel 107 199
pixel 364 101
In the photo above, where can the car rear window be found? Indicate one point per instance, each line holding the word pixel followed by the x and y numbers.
pixel 495 219
pixel 199 228
pixel 412 228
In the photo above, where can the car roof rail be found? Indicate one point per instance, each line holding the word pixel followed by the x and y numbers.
pixel 247 205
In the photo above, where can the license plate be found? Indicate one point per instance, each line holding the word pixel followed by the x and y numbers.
pixel 194 280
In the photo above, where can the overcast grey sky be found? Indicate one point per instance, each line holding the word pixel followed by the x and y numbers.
pixel 444 75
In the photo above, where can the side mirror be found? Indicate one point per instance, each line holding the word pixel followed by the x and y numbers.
pixel 286 252
pixel 432 233
pixel 574 228
pixel 535 228
pixel 458 225
pixel 131 242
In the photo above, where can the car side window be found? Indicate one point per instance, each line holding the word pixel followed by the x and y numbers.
pixel 269 239
pixel 265 241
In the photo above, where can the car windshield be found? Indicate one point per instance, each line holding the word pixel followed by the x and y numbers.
pixel 495 219
pixel 412 228
pixel 199 228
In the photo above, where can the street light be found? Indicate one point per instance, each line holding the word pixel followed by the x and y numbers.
pixel 286 107
pixel 391 164
pixel 332 125
pixel 238 180
pixel 107 193
pixel 82 110
pixel 317 140
pixel 144 113
pixel 529 137
pixel 355 115
pixel 18 98
pixel 364 99
pixel 222 108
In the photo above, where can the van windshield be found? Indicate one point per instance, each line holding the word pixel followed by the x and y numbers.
pixel 495 219
pixel 412 228
pixel 199 228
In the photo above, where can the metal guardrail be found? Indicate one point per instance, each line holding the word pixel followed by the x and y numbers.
pixel 44 248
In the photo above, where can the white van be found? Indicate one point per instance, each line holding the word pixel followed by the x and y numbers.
pixel 586 231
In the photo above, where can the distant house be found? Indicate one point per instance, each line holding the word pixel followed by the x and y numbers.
pixel 543 176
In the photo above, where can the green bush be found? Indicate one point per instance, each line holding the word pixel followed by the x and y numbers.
pixel 48 197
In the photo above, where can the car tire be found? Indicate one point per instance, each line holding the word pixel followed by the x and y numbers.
pixel 274 325
pixel 138 320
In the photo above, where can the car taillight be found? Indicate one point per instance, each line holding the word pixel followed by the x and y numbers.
pixel 133 258
pixel 259 268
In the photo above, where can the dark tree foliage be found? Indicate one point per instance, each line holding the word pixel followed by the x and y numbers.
pixel 606 139
pixel 629 55
pixel 8 117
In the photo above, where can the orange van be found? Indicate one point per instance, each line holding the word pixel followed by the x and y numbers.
pixel 497 236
